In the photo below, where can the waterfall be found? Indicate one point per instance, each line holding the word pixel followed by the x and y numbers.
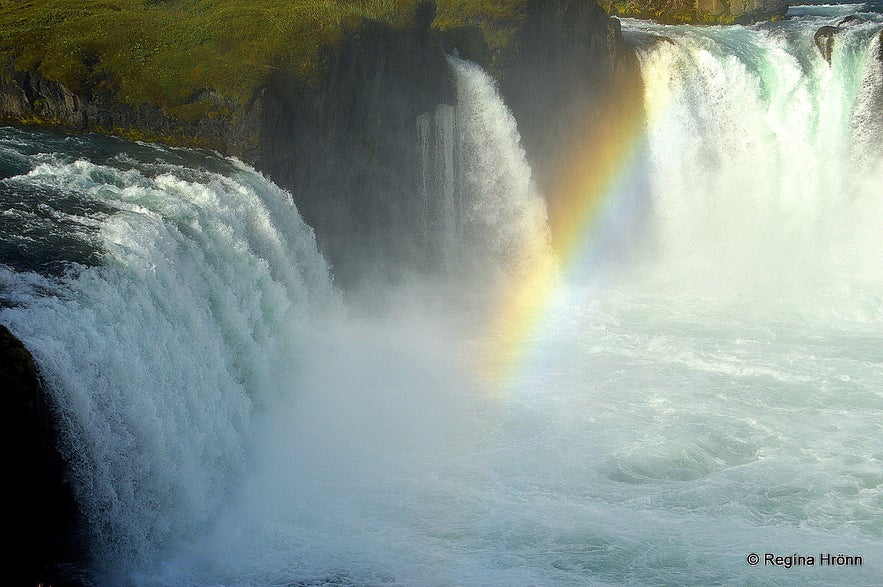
pixel 480 201
pixel 764 166
pixel 184 290
pixel 231 418
pixel 159 357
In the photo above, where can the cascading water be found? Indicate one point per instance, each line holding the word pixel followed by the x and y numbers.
pixel 231 421
pixel 206 285
pixel 503 212
pixel 479 196
pixel 762 165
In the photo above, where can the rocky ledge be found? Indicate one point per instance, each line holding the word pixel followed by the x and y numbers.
pixel 698 11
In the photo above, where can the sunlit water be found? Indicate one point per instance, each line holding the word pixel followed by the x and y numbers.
pixel 232 419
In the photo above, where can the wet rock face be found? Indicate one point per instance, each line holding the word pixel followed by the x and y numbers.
pixel 467 42
pixel 43 529
pixel 31 98
pixel 850 20
pixel 348 149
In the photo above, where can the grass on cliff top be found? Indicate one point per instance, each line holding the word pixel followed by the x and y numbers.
pixel 165 52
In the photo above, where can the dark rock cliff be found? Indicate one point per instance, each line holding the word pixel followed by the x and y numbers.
pixel 558 91
pixel 570 93
pixel 29 97
pixel 348 149
pixel 41 522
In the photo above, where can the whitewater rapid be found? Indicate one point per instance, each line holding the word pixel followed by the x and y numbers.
pixel 233 419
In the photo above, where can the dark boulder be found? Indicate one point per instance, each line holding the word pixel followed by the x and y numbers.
pixel 824 40
pixel 824 36
pixel 42 526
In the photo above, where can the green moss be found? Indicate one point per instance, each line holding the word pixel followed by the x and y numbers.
pixel 664 11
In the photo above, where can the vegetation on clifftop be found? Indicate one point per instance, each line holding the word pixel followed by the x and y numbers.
pixel 710 12
pixel 169 52
pixel 196 58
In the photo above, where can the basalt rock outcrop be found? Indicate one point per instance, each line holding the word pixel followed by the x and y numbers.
pixel 349 148
pixel 824 40
pixel 467 42
pixel 698 11
pixel 27 96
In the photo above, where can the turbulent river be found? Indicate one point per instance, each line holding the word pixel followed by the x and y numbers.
pixel 697 378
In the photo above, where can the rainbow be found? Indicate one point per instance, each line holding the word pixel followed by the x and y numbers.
pixel 579 203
